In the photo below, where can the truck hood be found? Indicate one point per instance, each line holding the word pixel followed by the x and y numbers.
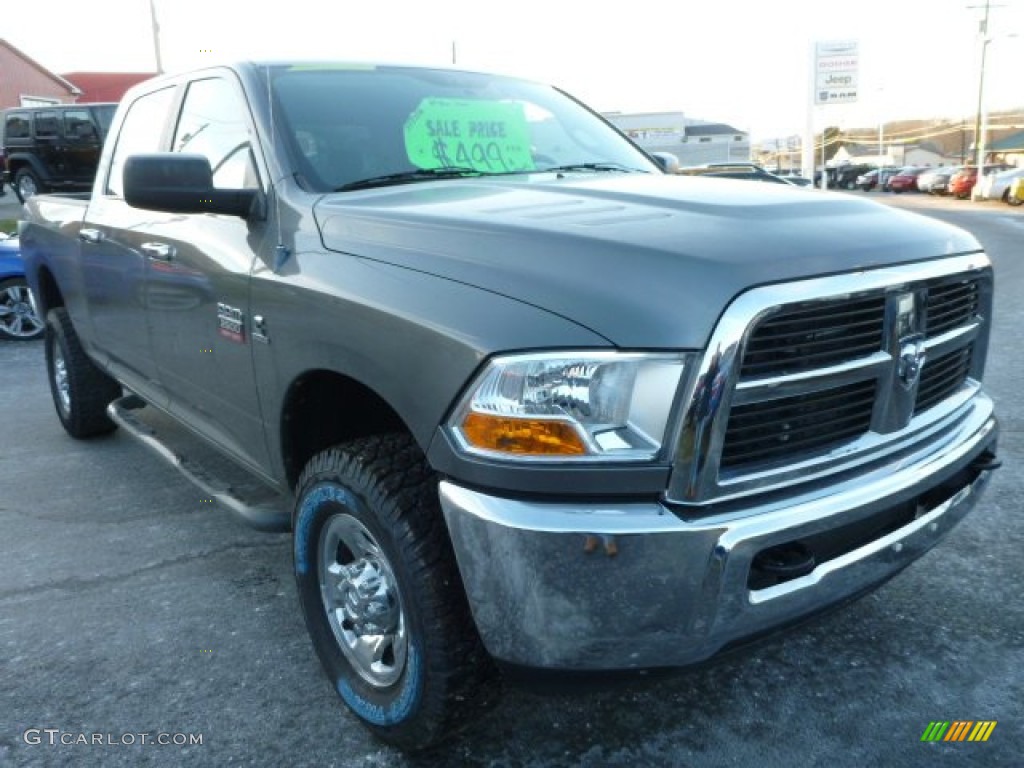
pixel 644 260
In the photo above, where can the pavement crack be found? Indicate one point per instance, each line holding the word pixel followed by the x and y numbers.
pixel 85 584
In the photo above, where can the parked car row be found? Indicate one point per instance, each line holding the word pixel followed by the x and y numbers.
pixel 997 180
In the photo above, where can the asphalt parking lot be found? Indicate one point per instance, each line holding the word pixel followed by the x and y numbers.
pixel 128 605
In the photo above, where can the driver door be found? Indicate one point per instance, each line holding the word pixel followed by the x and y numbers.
pixel 197 280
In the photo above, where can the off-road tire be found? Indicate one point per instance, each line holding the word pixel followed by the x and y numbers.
pixel 81 392
pixel 447 679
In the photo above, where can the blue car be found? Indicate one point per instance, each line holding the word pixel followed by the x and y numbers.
pixel 18 318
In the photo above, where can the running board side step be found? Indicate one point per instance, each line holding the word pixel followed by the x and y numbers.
pixel 262 514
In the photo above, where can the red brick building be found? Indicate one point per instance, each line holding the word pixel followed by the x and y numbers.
pixel 104 86
pixel 25 82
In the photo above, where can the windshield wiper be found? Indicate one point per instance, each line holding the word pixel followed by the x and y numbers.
pixel 407 177
pixel 605 166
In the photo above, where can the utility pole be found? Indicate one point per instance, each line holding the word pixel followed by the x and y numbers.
pixel 156 36
pixel 983 31
pixel 881 130
pixel 454 62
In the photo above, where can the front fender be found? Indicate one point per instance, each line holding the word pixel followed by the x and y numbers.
pixel 412 338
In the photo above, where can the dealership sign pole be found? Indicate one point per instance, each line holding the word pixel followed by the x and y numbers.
pixel 834 75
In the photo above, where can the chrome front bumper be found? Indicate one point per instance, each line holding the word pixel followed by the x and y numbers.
pixel 601 586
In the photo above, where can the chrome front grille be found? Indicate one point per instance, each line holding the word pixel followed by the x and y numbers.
pixel 808 337
pixel 951 304
pixel 804 379
pixel 794 425
pixel 941 377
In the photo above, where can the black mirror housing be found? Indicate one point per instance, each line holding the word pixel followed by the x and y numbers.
pixel 667 161
pixel 180 183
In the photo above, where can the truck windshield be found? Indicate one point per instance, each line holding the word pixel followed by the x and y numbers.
pixel 358 126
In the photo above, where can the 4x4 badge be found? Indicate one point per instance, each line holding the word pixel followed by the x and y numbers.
pixel 230 323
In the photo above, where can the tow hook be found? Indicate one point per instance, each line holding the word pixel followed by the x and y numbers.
pixel 986 462
pixel 779 564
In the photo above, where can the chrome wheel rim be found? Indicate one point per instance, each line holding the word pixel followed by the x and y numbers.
pixel 26 187
pixel 60 380
pixel 16 315
pixel 360 596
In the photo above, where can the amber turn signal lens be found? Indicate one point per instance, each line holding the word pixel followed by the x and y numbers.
pixel 540 437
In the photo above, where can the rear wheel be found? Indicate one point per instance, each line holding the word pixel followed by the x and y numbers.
pixel 18 319
pixel 382 596
pixel 81 391
pixel 27 184
pixel 1014 200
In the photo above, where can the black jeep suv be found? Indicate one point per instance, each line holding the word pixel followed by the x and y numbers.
pixel 54 147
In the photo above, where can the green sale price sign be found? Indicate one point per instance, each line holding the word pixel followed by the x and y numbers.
pixel 487 136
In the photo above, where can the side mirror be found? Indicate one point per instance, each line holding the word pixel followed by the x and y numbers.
pixel 177 183
pixel 668 162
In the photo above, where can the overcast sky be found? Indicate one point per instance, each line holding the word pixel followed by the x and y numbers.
pixel 743 62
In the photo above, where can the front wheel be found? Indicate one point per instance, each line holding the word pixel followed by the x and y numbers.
pixel 382 596
pixel 18 319
pixel 1014 200
pixel 26 184
pixel 81 391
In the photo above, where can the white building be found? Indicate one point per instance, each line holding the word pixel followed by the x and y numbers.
pixel 694 142
pixel 922 154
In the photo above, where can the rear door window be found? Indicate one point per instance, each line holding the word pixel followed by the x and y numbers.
pixel 47 125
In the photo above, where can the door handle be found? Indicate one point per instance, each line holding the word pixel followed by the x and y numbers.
pixel 160 251
pixel 90 235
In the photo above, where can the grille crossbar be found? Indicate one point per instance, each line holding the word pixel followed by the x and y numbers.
pixel 814 335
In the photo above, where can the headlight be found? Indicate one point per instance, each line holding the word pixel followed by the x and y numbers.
pixel 576 406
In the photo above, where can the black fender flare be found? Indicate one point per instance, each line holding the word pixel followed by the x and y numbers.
pixel 18 160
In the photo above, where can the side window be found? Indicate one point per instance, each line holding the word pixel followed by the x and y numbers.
pixel 17 127
pixel 46 125
pixel 214 123
pixel 140 132
pixel 78 126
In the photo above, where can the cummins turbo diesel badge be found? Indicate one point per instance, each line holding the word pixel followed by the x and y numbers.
pixel 230 323
pixel 489 136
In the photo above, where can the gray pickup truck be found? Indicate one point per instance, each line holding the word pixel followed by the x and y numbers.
pixel 523 399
